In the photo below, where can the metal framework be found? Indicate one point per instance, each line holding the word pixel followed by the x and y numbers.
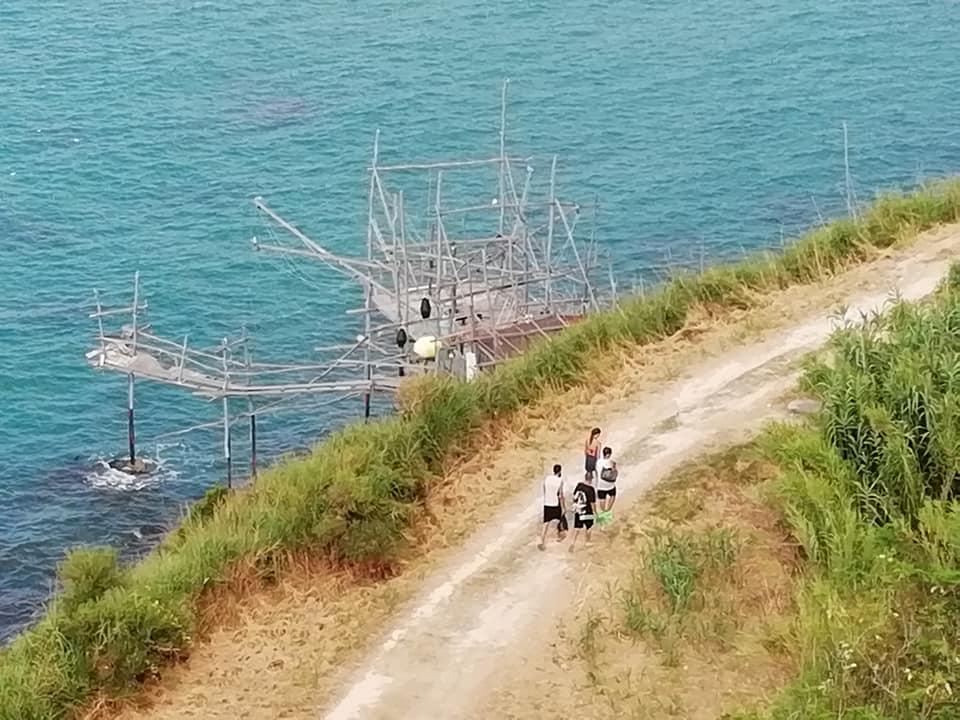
pixel 222 373
pixel 513 272
pixel 478 280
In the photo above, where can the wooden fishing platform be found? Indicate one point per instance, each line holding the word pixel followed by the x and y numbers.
pixel 482 296
pixel 454 287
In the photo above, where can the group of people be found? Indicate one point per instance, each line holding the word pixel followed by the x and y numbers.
pixel 592 498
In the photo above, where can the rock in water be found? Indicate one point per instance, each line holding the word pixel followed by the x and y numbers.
pixel 804 406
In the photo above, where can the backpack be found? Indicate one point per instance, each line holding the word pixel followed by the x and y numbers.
pixel 579 502
pixel 608 474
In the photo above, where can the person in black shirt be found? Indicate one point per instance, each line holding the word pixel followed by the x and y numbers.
pixel 584 506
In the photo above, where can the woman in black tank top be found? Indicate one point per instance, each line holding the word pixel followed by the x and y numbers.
pixel 591 451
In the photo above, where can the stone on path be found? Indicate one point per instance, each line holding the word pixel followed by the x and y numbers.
pixel 804 406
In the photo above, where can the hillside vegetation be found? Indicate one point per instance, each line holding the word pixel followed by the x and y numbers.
pixel 352 500
pixel 822 558
pixel 871 491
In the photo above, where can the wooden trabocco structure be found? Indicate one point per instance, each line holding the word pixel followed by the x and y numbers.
pixel 489 261
pixel 477 278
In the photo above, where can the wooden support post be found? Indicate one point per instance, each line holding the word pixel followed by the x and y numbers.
pixel 131 435
pixel 251 411
pixel 549 251
pixel 136 300
pixel 226 416
pixel 183 359
pixel 368 288
pixel 503 155
pixel 96 295
pixel 588 289
pixel 847 180
pixel 226 441
pixel 397 267
pixel 253 443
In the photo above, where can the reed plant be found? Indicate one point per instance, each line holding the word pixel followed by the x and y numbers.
pixel 352 499
pixel 871 491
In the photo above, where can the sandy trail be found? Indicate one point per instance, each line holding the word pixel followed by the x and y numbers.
pixel 477 614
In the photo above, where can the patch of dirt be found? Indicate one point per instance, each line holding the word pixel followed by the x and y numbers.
pixel 291 646
pixel 709 659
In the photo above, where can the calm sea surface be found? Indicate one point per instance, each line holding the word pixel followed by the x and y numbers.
pixel 133 136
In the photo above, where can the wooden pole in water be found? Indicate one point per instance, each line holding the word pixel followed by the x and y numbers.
pixel 368 289
pixel 253 415
pixel 503 155
pixel 131 434
pixel 848 182
pixel 253 441
pixel 549 250
pixel 503 132
pixel 226 441
pixel 226 418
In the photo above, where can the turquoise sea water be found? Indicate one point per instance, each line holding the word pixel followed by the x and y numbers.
pixel 133 135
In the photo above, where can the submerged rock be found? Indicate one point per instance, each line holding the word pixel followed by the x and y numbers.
pixel 140 466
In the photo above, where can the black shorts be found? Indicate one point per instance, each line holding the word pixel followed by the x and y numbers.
pixel 604 494
pixel 590 463
pixel 583 521
pixel 551 513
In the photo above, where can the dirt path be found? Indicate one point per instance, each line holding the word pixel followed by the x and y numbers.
pixel 479 615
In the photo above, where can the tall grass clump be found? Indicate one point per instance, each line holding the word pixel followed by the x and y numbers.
pixel 871 491
pixel 352 499
pixel 679 587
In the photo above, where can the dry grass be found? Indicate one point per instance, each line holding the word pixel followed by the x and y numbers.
pixel 268 656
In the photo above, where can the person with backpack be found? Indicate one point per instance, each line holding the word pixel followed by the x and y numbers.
pixel 584 506
pixel 553 506
pixel 607 487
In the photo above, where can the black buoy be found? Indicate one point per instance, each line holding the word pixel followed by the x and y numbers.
pixel 425 308
pixel 401 338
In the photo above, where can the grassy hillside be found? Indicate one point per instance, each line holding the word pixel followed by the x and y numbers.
pixel 353 498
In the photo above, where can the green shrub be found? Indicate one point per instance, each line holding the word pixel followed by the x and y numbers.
pixel 122 637
pixel 86 574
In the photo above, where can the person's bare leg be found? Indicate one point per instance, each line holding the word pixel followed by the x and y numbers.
pixel 543 536
pixel 587 534
pixel 573 540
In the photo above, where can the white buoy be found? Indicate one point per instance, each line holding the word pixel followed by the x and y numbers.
pixel 426 347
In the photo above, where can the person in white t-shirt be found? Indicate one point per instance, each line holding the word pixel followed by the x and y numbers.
pixel 607 485
pixel 554 509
